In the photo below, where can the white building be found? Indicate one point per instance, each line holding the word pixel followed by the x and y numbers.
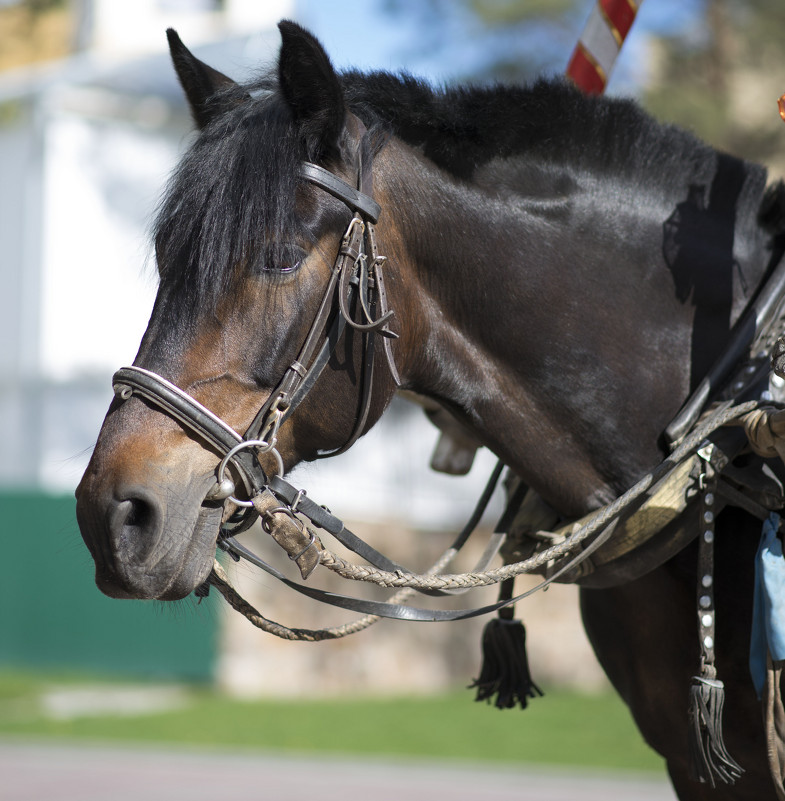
pixel 85 148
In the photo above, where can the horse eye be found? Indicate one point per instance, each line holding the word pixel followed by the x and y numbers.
pixel 288 267
pixel 287 261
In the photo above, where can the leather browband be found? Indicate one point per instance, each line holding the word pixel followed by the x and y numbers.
pixel 353 198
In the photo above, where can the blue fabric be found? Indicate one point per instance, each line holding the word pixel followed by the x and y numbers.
pixel 768 610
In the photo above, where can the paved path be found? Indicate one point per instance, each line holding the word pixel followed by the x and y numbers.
pixel 45 772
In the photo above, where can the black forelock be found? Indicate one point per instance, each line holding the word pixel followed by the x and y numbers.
pixel 229 205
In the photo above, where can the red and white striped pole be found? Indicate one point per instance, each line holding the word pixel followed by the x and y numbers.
pixel 599 44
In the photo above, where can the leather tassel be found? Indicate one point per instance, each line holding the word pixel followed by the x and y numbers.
pixel 709 759
pixel 505 666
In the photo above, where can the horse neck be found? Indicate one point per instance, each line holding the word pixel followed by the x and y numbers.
pixel 558 341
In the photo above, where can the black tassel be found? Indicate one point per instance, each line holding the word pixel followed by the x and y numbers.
pixel 505 667
pixel 709 759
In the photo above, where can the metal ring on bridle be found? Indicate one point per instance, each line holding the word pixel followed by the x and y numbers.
pixel 264 447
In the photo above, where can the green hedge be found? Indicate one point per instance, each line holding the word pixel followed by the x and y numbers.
pixel 53 616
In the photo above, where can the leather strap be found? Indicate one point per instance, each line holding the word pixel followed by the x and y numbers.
pixel 352 270
pixel 760 315
pixel 705 588
pixel 353 198
pixel 312 356
pixel 179 404
pixel 190 413
pixel 324 519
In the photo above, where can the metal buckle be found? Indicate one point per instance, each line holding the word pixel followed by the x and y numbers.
pixel 706 454
pixel 356 220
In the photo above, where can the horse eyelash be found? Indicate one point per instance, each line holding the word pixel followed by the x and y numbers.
pixel 287 262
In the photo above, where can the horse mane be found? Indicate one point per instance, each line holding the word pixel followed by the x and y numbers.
pixel 230 203
pixel 462 128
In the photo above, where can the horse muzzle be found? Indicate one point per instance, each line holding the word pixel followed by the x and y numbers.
pixel 151 535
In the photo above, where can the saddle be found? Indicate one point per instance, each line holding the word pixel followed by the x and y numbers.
pixel 655 531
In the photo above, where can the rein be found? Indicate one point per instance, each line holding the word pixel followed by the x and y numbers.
pixel 568 554
pixel 292 503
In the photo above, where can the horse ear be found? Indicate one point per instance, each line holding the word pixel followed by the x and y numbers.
pixel 312 89
pixel 200 82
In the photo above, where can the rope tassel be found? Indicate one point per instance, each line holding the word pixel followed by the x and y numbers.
pixel 709 759
pixel 505 665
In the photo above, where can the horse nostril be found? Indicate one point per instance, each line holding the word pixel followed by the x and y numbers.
pixel 134 524
pixel 139 514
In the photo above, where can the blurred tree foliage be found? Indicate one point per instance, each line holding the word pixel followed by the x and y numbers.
pixel 722 78
pixel 720 75
pixel 34 30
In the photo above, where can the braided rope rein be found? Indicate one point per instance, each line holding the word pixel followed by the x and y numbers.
pixel 409 583
pixel 220 581
pixel 598 521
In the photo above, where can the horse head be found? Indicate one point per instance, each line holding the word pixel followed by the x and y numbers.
pixel 246 244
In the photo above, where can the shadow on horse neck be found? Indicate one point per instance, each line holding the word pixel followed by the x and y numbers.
pixel 563 271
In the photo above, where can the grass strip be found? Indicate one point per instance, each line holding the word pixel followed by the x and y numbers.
pixel 563 728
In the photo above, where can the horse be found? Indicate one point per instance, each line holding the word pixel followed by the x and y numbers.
pixel 562 273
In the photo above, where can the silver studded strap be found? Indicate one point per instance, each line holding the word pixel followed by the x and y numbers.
pixel 706 611
pixel 708 758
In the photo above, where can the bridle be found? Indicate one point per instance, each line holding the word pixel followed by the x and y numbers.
pixel 355 287
pixel 356 280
